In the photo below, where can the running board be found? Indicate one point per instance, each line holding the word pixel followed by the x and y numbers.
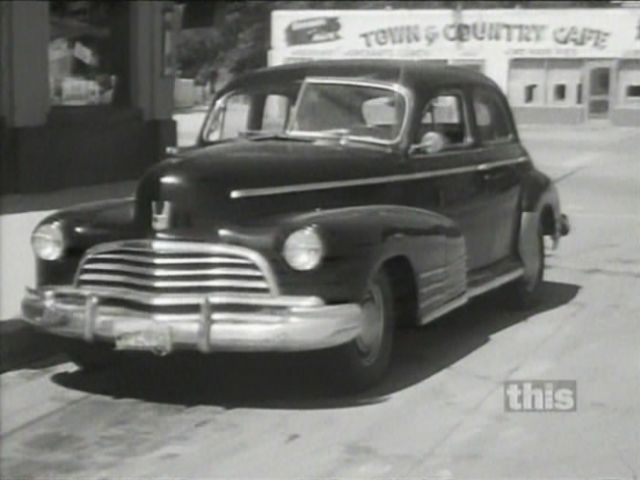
pixel 495 282
pixel 472 292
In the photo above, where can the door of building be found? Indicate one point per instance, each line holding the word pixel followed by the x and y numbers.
pixel 598 99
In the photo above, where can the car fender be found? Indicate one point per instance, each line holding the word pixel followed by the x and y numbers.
pixel 84 226
pixel 540 211
pixel 540 197
pixel 358 241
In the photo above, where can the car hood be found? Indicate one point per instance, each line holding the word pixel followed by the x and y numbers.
pixel 198 184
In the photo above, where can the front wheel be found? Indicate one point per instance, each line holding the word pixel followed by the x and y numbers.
pixel 364 361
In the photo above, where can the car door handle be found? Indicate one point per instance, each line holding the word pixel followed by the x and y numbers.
pixel 493 175
pixel 493 172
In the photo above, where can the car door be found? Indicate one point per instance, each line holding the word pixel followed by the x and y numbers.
pixel 451 183
pixel 502 160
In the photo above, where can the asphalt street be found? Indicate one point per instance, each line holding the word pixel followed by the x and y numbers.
pixel 439 414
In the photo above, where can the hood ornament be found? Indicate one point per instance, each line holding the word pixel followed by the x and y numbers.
pixel 160 215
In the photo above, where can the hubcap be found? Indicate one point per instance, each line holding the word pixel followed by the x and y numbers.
pixel 370 340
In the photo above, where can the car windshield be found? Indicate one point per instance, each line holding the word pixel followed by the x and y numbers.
pixel 321 108
pixel 251 113
pixel 349 109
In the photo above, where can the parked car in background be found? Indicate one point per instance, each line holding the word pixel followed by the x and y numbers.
pixel 325 204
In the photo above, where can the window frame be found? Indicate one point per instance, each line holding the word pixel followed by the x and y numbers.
pixel 557 99
pixel 394 87
pixel 469 139
pixel 536 99
pixel 631 98
pixel 506 111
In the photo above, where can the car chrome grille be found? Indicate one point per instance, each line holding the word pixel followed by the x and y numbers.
pixel 173 267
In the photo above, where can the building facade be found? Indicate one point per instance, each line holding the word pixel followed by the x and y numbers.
pixel 555 65
pixel 86 91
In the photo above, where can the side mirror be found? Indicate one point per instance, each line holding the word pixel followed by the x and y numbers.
pixel 431 142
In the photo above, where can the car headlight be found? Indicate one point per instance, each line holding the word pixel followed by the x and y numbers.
pixel 47 241
pixel 303 249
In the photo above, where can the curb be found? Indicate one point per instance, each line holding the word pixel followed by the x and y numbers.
pixel 21 344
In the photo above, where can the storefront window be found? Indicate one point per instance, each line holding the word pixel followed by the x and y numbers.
pixel 633 91
pixel 88 53
pixel 526 81
pixel 629 84
pixel 579 94
pixel 530 93
pixel 545 82
pixel 560 92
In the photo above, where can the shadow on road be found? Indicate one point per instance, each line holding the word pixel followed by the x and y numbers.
pixel 22 347
pixel 299 381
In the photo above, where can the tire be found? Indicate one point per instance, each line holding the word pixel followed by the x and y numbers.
pixel 362 362
pixel 90 357
pixel 526 291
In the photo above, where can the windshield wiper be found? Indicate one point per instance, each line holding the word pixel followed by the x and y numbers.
pixel 277 136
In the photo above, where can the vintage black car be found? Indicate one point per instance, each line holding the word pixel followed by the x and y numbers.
pixel 324 204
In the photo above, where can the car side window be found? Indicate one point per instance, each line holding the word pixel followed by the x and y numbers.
pixel 491 117
pixel 445 115
pixel 276 113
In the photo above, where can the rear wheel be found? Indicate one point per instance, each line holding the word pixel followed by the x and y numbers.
pixel 364 361
pixel 525 292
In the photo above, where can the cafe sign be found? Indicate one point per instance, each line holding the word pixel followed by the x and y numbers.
pixel 576 32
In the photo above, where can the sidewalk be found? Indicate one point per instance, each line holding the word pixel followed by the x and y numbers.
pixel 19 214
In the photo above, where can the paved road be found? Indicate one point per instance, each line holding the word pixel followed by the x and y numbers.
pixel 440 414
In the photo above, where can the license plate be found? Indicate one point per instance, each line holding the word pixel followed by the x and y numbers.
pixel 52 317
pixel 155 337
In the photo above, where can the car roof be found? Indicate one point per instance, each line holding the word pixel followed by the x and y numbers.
pixel 415 74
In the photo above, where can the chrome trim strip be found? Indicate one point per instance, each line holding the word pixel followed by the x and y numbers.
pixel 462 299
pixel 483 167
pixel 163 272
pixel 306 187
pixel 434 286
pixel 495 282
pixel 431 300
pixel 452 265
pixel 91 311
pixel 204 332
pixel 446 308
pixel 242 317
pixel 96 277
pixel 170 261
pixel 152 299
pixel 431 273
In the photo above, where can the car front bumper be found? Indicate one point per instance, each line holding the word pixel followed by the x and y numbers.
pixel 223 322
